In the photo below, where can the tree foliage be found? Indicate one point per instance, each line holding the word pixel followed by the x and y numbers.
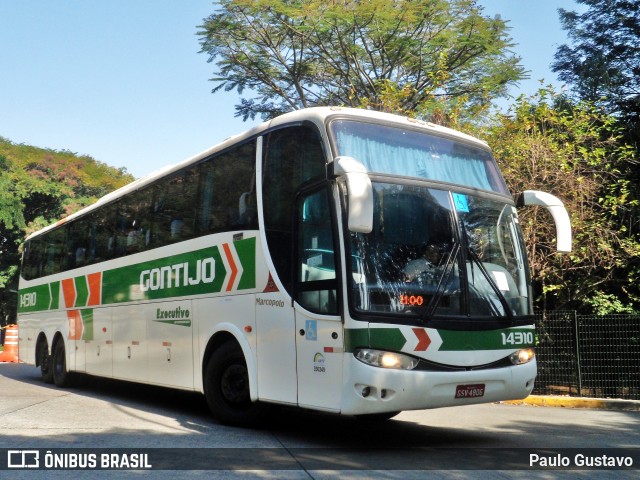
pixel 602 65
pixel 603 62
pixel 426 57
pixel 38 187
pixel 576 152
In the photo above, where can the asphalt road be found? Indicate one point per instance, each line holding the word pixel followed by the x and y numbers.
pixel 495 440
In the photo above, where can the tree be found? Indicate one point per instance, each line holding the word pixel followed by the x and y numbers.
pixel 38 187
pixel 421 57
pixel 603 63
pixel 576 152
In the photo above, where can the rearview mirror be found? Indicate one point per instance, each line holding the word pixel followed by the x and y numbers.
pixel 557 210
pixel 359 193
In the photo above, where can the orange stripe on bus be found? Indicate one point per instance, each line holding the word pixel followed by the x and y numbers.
pixel 69 292
pixel 75 325
pixel 232 264
pixel 95 288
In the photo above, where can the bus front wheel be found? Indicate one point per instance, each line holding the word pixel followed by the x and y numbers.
pixel 226 387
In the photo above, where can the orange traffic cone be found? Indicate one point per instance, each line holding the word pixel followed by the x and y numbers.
pixel 10 353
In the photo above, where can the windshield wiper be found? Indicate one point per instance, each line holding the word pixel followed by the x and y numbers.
pixel 442 283
pixel 501 298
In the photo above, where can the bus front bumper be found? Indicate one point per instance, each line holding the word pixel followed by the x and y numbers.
pixel 369 389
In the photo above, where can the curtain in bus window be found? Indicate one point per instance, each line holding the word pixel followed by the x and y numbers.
pixel 404 160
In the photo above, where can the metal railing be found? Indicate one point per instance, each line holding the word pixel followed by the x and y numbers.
pixel 588 355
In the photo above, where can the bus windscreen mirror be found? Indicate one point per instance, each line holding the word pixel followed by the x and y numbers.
pixel 360 193
pixel 557 210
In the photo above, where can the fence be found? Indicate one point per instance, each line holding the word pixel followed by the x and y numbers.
pixel 588 355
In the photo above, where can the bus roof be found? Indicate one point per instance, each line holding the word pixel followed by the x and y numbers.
pixel 317 115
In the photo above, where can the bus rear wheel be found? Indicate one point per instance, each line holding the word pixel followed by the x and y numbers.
pixel 45 360
pixel 61 376
pixel 226 387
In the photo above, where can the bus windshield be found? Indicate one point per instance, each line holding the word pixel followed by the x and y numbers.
pixel 434 251
pixel 437 253
pixel 397 151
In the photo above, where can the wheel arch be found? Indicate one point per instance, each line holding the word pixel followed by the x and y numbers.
pixel 45 340
pixel 57 337
pixel 227 332
pixel 41 342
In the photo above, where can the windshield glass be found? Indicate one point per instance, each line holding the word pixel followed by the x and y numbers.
pixel 436 253
pixel 397 151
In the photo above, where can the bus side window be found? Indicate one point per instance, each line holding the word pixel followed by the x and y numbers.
pixel 77 251
pixel 173 208
pixel 54 251
pixel 134 227
pixel 293 156
pixel 227 191
pixel 316 287
pixel 32 261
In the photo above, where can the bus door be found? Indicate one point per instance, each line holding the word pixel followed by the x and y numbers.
pixel 319 343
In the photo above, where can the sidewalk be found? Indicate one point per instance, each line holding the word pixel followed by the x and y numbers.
pixel 578 402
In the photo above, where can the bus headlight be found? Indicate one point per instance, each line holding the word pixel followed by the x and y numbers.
pixel 523 356
pixel 380 358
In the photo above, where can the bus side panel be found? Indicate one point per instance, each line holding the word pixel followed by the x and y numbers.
pixel 276 349
pixel 27 337
pixel 99 350
pixel 170 343
pixel 77 350
pixel 130 343
pixel 319 361
pixel 32 325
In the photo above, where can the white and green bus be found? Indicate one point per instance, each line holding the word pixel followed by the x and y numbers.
pixel 334 259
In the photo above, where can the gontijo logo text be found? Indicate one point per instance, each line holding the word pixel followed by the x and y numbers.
pixel 178 275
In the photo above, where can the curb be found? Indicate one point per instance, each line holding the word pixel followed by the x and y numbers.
pixel 578 402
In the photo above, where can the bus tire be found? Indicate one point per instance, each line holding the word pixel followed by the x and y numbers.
pixel 45 360
pixel 61 376
pixel 226 387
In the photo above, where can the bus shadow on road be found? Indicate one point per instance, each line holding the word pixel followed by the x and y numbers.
pixel 157 415
pixel 298 427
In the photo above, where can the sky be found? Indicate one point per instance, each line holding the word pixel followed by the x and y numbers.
pixel 123 80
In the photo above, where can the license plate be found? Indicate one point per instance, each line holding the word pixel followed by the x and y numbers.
pixel 470 391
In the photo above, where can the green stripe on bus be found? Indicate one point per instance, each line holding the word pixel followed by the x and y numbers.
pixel 355 337
pixel 387 338
pixel 190 273
pixel 193 273
pixel 34 299
pixel 380 338
pixel 247 255
pixel 452 340
pixel 82 291
pixel 55 295
pixel 506 339
pixel 87 323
